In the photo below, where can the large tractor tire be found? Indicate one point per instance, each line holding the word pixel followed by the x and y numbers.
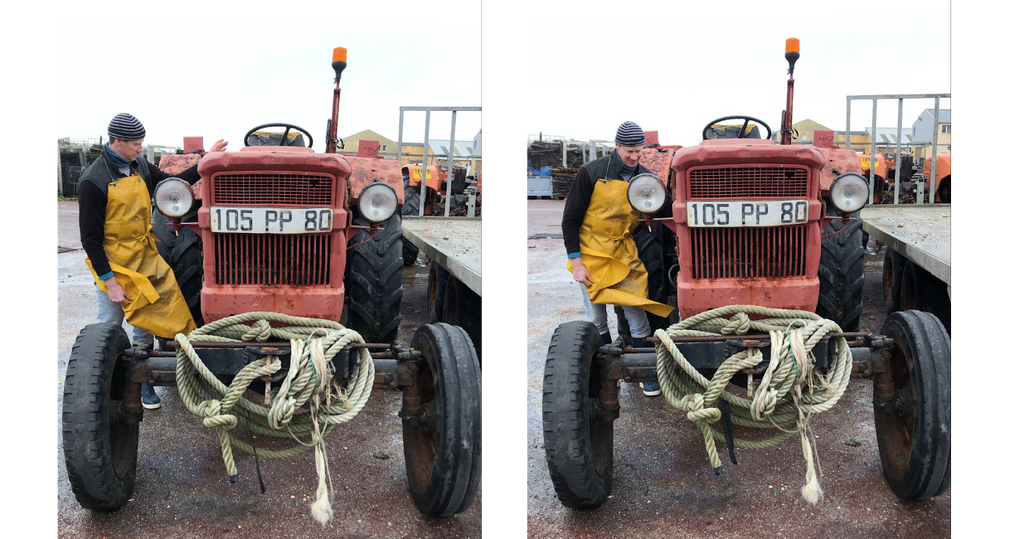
pixel 101 448
pixel 841 271
pixel 912 406
pixel 442 439
pixel 577 443
pixel 373 280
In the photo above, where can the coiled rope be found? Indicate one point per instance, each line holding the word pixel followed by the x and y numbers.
pixel 791 391
pixel 314 343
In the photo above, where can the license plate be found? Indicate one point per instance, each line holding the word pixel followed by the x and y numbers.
pixel 738 213
pixel 254 220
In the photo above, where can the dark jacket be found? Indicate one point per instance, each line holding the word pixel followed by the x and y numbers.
pixel 578 199
pixel 92 200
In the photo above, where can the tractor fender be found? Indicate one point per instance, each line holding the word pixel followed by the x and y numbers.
pixel 366 170
pixel 837 161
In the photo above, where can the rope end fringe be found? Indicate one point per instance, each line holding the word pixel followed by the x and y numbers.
pixel 321 510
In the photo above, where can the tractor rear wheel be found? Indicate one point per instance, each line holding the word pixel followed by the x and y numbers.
pixel 912 406
pixel 442 438
pixel 101 448
pixel 577 443
pixel 841 271
pixel 410 207
pixel 373 280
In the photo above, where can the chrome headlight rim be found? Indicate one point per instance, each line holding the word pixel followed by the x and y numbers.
pixel 377 202
pixel 173 197
pixel 843 190
pixel 641 203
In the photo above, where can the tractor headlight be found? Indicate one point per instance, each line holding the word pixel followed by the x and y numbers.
pixel 646 193
pixel 849 192
pixel 173 197
pixel 378 202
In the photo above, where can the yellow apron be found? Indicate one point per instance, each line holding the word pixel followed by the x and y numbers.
pixel 609 253
pixel 157 305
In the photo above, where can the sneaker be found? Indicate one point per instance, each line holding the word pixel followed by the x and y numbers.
pixel 150 400
pixel 651 389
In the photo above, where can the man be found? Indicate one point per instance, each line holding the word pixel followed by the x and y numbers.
pixel 597 223
pixel 132 280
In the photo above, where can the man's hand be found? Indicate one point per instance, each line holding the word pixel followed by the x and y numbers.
pixel 219 145
pixel 116 293
pixel 580 273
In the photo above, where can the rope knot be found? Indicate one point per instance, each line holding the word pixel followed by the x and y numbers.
pixel 739 324
pixel 693 405
pixel 213 418
pixel 259 331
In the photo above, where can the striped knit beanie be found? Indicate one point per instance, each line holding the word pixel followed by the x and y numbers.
pixel 124 126
pixel 630 134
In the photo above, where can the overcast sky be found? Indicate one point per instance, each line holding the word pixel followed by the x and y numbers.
pixel 217 74
pixel 675 67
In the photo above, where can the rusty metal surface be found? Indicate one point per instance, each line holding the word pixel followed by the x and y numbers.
pixel 659 162
pixel 176 164
pixel 367 170
pixel 663 484
pixel 182 489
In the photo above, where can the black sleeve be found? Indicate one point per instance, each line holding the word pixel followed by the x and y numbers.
pixel 92 213
pixel 576 204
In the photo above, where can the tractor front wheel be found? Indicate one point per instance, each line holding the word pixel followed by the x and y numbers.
pixel 912 406
pixel 442 435
pixel 578 443
pixel 101 447
pixel 373 280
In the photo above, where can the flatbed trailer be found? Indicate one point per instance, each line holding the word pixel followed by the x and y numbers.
pixel 452 242
pixel 920 232
pixel 455 283
pixel 916 271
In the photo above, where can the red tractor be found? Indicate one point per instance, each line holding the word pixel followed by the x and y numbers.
pixel 279 229
pixel 742 234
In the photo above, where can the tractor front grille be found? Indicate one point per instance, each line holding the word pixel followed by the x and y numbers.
pixel 748 253
pixel 746 182
pixel 272 259
pixel 260 189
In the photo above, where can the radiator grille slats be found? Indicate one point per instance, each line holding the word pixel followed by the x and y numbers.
pixel 257 189
pixel 748 253
pixel 272 259
pixel 747 182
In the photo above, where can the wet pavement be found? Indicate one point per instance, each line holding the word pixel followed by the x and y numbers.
pixel 182 488
pixel 663 484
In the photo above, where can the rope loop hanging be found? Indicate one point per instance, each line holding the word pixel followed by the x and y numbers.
pixel 790 390
pixel 306 406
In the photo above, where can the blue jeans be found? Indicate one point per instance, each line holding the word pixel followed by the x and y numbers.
pixel 111 312
pixel 598 314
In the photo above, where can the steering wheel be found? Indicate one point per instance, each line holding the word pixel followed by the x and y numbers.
pixel 287 129
pixel 743 130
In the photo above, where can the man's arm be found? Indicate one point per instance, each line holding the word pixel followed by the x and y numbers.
pixel 92 211
pixel 576 203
